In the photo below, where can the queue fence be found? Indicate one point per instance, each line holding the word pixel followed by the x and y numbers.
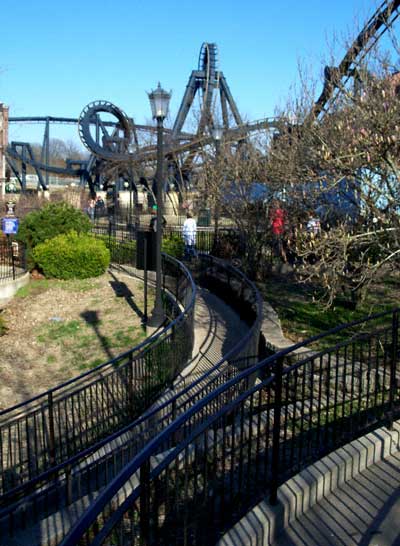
pixel 86 473
pixel 206 469
pixel 52 427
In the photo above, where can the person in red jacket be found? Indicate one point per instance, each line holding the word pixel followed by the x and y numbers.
pixel 278 222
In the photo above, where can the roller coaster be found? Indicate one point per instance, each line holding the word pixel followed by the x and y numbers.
pixel 222 403
pixel 120 142
pixel 119 147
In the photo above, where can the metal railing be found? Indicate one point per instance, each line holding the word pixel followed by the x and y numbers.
pixel 50 428
pixel 12 260
pixel 214 462
pixel 89 471
pixel 207 238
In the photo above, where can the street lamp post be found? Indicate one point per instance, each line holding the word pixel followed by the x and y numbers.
pixel 217 134
pixel 159 102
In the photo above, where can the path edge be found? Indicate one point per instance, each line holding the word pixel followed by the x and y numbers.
pixel 262 525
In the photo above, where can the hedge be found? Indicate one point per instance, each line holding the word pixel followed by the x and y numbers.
pixel 72 256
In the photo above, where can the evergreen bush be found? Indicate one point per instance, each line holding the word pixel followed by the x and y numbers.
pixel 72 256
pixel 51 220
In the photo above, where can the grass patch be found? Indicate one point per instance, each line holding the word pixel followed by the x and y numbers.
pixel 79 343
pixel 94 363
pixel 79 285
pixel 303 316
pixel 122 338
pixel 59 331
pixel 85 341
pixel 34 288
pixel 125 339
pixel 39 286
pixel 67 327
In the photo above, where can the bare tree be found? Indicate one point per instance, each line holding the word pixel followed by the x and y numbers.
pixel 345 167
pixel 233 183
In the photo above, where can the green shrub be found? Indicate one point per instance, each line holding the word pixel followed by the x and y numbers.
pixel 48 222
pixel 174 246
pixel 72 256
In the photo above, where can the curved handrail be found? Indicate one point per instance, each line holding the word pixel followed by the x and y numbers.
pixel 241 405
pixel 73 413
pixel 168 410
pixel 108 363
pixel 154 337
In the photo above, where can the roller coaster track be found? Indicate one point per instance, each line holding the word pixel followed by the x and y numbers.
pixel 75 121
pixel 108 145
pixel 375 27
pixel 209 82
pixel 189 143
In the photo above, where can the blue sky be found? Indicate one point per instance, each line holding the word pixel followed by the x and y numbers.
pixel 58 56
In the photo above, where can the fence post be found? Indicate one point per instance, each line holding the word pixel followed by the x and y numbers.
pixel 393 362
pixel 144 278
pixel 145 503
pixel 131 411
pixel 11 252
pixel 68 485
pixel 163 267
pixel 173 417
pixel 273 499
pixel 177 287
pixel 52 445
pixel 23 256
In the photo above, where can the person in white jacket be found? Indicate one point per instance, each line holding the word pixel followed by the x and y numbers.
pixel 189 232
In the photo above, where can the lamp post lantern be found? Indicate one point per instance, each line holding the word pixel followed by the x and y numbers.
pixel 159 102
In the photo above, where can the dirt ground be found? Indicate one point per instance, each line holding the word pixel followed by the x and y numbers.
pixel 58 329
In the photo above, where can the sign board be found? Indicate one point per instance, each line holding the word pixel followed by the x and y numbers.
pixel 9 226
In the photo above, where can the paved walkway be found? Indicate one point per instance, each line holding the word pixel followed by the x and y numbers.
pixel 363 512
pixel 217 329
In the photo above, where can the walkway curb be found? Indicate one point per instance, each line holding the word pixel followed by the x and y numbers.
pixel 261 526
pixel 9 287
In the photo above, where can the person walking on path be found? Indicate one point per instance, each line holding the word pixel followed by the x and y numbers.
pixel 189 232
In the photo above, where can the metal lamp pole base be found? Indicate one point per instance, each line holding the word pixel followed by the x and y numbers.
pixel 157 318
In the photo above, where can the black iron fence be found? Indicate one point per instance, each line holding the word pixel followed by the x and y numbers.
pixel 89 471
pixel 209 241
pixel 12 259
pixel 50 428
pixel 246 437
pixel 253 252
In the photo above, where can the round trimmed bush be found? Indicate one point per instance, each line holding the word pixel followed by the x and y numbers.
pixel 72 256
